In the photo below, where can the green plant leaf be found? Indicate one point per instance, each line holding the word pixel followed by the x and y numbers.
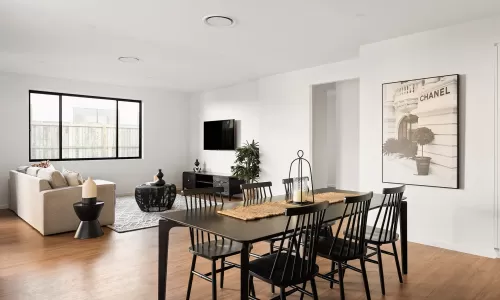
pixel 247 162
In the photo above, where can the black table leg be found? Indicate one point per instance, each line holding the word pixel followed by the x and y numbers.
pixel 244 272
pixel 404 236
pixel 163 236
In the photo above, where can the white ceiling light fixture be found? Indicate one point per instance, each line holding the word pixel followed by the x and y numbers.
pixel 218 21
pixel 129 59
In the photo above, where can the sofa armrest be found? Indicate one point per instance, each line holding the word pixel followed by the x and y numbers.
pixel 23 189
pixel 58 210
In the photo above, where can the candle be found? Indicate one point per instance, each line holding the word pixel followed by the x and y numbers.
pixel 297 196
pixel 89 189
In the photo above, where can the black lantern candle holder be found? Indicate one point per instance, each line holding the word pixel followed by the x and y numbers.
pixel 299 189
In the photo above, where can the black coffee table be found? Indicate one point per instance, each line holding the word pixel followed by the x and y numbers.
pixel 155 198
pixel 88 214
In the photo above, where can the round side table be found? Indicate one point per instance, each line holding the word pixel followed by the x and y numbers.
pixel 89 226
pixel 155 198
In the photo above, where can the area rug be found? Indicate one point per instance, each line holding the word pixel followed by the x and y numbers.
pixel 129 217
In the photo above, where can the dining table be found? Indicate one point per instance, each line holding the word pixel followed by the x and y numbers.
pixel 250 232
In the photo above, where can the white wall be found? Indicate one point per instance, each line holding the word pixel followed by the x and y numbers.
pixel 239 102
pixel 347 138
pixel 456 219
pixel 286 115
pixel 275 110
pixel 164 134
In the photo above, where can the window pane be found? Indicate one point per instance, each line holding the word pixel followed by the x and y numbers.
pixel 128 129
pixel 89 127
pixel 44 125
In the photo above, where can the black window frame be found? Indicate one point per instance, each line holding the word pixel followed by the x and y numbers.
pixel 117 100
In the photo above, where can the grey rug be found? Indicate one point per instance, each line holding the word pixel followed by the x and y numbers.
pixel 129 217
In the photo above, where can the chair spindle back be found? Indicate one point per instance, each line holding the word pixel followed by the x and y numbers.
pixel 200 198
pixel 255 193
pixel 304 222
pixel 391 205
pixel 355 218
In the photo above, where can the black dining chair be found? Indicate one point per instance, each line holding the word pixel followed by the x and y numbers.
pixel 207 245
pixel 340 250
pixel 288 183
pixel 384 231
pixel 295 264
pixel 256 193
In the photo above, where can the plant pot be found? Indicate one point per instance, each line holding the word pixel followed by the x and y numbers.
pixel 423 163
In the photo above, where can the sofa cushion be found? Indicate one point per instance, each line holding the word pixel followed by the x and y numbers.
pixel 73 178
pixel 33 171
pixel 55 178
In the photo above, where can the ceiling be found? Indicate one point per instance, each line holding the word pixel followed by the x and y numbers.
pixel 82 39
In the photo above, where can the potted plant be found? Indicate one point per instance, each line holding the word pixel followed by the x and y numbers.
pixel 423 136
pixel 390 146
pixel 247 162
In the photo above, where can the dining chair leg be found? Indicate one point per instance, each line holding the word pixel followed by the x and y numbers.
pixel 302 294
pixel 190 282
pixel 395 251
pixel 222 264
pixel 252 287
pixel 332 269
pixel 341 280
pixel 214 279
pixel 380 269
pixel 314 290
pixel 282 293
pixel 365 278
pixel 271 248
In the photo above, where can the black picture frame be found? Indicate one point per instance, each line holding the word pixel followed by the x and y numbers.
pixel 458 132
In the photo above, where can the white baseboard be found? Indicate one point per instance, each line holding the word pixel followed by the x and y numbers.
pixel 4 206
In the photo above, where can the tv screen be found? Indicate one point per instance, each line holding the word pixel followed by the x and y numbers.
pixel 219 135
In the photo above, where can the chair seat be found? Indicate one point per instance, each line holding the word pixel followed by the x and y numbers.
pixel 380 236
pixel 326 224
pixel 216 249
pixel 261 268
pixel 279 238
pixel 338 253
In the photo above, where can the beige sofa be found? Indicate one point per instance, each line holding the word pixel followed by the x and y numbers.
pixel 50 210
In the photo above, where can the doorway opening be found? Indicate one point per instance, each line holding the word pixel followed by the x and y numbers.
pixel 335 134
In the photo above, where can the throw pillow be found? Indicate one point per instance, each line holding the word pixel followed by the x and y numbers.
pixel 42 164
pixel 73 178
pixel 33 171
pixel 54 177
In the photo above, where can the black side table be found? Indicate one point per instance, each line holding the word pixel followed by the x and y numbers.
pixel 155 198
pixel 89 225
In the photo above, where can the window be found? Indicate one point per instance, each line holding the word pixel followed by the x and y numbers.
pixel 75 127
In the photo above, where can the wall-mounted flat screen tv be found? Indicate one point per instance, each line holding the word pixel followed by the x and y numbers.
pixel 219 135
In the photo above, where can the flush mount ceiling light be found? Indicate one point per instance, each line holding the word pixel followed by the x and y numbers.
pixel 218 21
pixel 128 59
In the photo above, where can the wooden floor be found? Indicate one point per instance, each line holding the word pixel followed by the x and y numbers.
pixel 124 266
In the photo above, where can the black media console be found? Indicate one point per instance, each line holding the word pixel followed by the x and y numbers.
pixel 193 180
